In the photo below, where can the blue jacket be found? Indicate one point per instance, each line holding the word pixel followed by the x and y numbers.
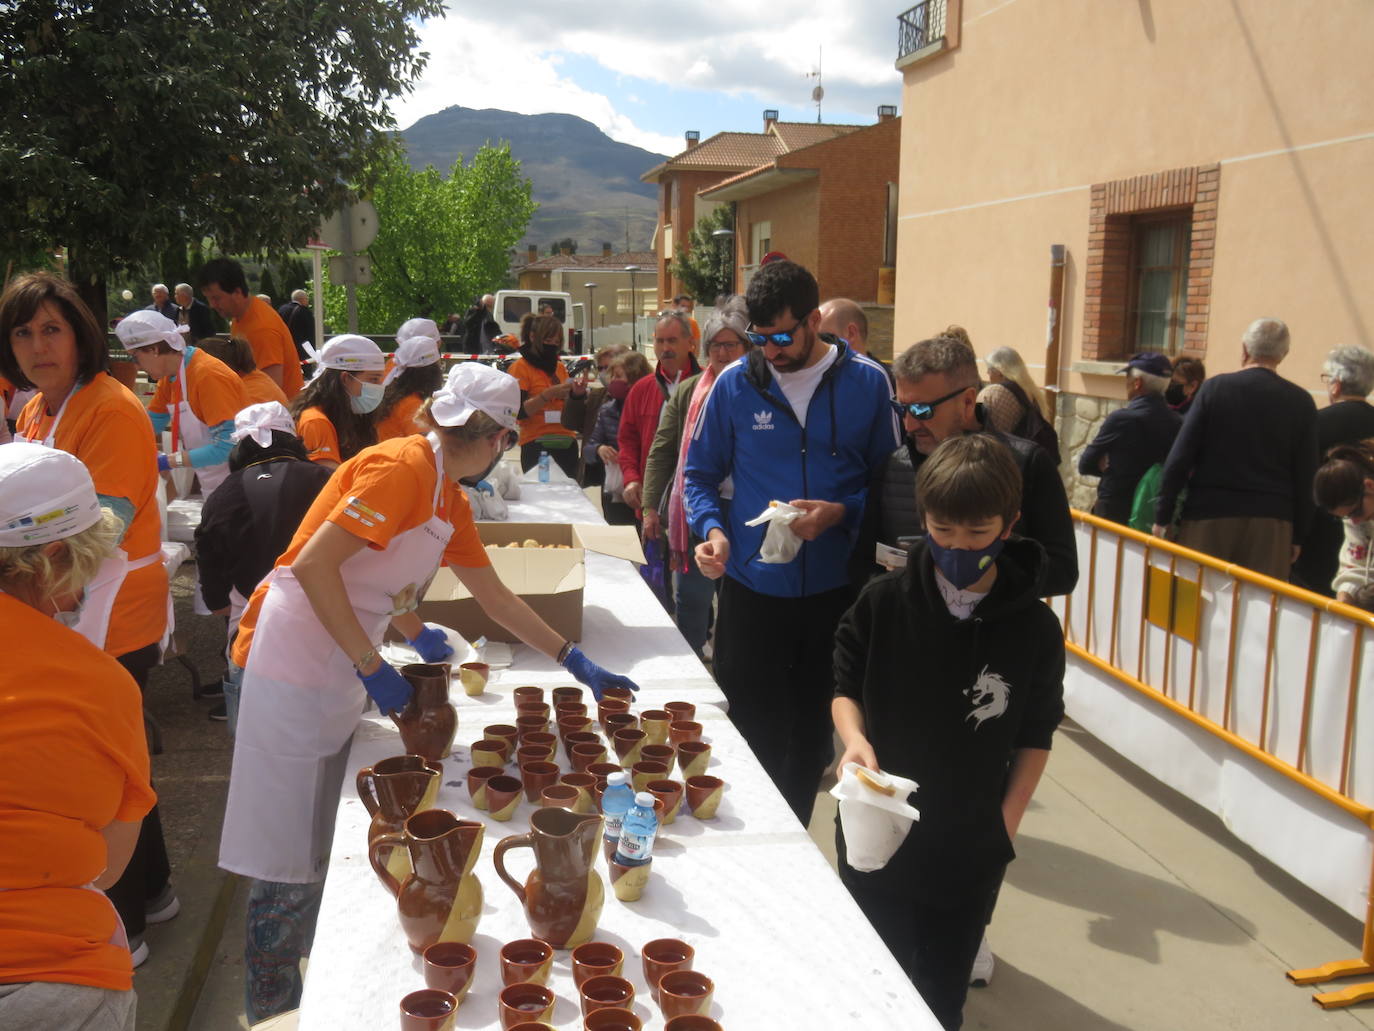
pixel 748 431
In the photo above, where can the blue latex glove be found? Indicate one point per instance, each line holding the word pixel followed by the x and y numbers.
pixel 432 645
pixel 589 673
pixel 387 688
pixel 163 464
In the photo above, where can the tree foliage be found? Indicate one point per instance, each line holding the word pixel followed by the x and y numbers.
pixel 706 265
pixel 557 246
pixel 441 242
pixel 127 127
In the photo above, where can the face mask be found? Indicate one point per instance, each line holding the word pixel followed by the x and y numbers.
pixel 368 399
pixel 963 566
pixel 618 388
pixel 1173 393
pixel 70 619
pixel 473 481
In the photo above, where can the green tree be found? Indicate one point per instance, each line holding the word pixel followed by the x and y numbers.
pixel 557 246
pixel 706 265
pixel 441 242
pixel 126 127
pixel 267 284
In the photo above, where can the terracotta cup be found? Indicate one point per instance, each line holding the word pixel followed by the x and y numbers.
pixel 536 776
pixel 478 777
pixel 610 706
pixel 681 710
pixel 606 991
pixel 570 709
pixel 663 956
pixel 429 1009
pixel 502 732
pixel 503 797
pixel 490 751
pixel 627 744
pixel 532 753
pixel 585 783
pixel 664 754
pixel 450 966
pixel 526 694
pixel 623 693
pixel 531 724
pixel 569 693
pixel 562 796
pixel 527 1025
pixel 573 725
pixel 618 721
pixel 669 792
pixel 627 882
pixel 646 770
pixel 584 753
pixel 693 757
pixel 474 676
pixel 683 730
pixel 655 722
pixel 526 959
pixel 703 795
pixel 525 1002
pixel 542 737
pixel 692 1022
pixel 533 709
pixel 603 770
pixel 592 959
pixel 684 991
pixel 613 1019
pixel 587 736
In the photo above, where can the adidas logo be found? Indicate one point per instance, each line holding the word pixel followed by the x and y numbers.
pixel 763 420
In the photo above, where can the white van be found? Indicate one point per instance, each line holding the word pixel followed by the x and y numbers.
pixel 513 305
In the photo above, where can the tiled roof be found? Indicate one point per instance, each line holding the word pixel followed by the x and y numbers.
pixel 646 259
pixel 795 135
pixel 726 151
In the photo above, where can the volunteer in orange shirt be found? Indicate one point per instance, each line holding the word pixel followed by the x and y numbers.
pixel 544 384
pixel 335 412
pixel 196 399
pixel 415 373
pixel 363 556
pixel 234 352
pixel 74 780
pixel 225 287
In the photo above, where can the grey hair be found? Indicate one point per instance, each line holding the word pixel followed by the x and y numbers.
pixel 940 355
pixel 160 286
pixel 1153 384
pixel 299 296
pixel 729 313
pixel 1266 339
pixel 184 286
pixel 1353 368
pixel 682 321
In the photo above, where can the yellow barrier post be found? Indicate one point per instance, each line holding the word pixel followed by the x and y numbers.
pixel 1354 993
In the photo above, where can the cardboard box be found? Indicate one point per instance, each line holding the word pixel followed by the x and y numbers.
pixel 550 580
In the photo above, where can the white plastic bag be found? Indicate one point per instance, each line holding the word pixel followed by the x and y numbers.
pixel 506 479
pixel 486 503
pixel 874 815
pixel 780 544
pixel 182 475
pixel 615 482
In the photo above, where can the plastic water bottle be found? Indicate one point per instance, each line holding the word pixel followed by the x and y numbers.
pixel 615 803
pixel 636 845
pixel 543 467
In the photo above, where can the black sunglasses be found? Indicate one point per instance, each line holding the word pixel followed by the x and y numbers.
pixel 777 339
pixel 923 410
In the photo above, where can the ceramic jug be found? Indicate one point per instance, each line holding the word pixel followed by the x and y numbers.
pixel 441 899
pixel 563 895
pixel 429 721
pixel 393 790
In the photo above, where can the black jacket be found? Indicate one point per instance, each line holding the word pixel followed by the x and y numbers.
pixel 947 702
pixel 1132 439
pixel 300 323
pixel 199 317
pixel 891 512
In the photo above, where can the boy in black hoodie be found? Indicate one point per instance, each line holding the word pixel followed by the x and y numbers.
pixel 950 672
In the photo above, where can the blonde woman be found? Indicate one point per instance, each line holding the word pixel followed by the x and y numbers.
pixel 1014 403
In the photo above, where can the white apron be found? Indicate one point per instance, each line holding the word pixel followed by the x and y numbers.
pixel 99 598
pixel 301 702
pixel 189 432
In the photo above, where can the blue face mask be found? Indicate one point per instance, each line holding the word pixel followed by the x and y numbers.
pixel 963 566
pixel 368 399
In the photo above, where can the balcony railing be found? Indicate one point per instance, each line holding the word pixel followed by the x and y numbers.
pixel 919 27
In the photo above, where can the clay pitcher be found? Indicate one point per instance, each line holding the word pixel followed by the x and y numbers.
pixel 563 895
pixel 393 790
pixel 441 899
pixel 429 721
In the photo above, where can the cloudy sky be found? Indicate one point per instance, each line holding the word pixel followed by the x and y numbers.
pixel 644 72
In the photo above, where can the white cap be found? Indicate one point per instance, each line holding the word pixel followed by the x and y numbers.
pixel 644 798
pixel 45 495
pixel 474 387
pixel 352 353
pixel 417 345
pixel 145 328
pixel 258 421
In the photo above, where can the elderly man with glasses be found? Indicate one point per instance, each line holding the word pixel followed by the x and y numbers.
pixel 801 419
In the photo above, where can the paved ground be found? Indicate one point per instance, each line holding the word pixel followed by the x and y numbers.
pixel 1128 907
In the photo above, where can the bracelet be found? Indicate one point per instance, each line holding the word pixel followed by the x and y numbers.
pixel 564 652
pixel 365 659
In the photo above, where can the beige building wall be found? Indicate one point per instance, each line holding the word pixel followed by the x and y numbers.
pixel 1003 137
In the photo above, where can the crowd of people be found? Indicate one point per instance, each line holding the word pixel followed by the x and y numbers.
pixel 813 519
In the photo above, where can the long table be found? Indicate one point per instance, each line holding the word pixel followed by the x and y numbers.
pixel 772 925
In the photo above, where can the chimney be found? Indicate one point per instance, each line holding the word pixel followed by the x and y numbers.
pixel 606 249
pixel 887 112
pixel 770 118
pixel 533 254
pixel 693 138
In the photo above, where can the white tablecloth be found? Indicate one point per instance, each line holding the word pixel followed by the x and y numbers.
pixel 770 921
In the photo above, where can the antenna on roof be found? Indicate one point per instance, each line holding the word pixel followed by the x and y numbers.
pixel 818 92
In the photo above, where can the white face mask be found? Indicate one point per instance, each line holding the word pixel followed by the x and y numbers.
pixel 70 619
pixel 369 397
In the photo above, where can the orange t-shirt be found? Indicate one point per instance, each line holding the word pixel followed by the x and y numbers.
pixel 319 436
pixel 271 342
pixel 215 391
pixel 533 381
pixel 260 388
pixel 108 429
pixel 75 759
pixel 394 479
pixel 400 422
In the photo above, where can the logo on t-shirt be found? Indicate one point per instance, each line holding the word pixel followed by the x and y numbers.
pixel 989 695
pixel 763 420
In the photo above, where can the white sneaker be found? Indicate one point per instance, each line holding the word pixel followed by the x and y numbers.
pixel 982 965
pixel 162 908
pixel 138 950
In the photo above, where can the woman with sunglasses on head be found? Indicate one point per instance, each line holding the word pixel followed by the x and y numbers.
pixel 544 386
pixel 334 413
pixel 363 557
pixel 415 374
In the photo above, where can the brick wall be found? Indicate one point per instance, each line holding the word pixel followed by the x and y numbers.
pixel 792 212
pixel 880 343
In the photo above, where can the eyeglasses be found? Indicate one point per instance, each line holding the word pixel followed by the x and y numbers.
pixel 923 410
pixel 777 339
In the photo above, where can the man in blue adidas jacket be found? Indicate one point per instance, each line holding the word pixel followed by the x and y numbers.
pixel 802 419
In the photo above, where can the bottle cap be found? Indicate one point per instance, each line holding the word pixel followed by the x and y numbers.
pixel 644 798
pixel 616 779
